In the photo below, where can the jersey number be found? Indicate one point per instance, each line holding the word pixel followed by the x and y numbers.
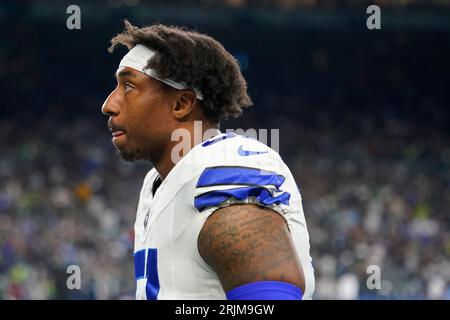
pixel 146 267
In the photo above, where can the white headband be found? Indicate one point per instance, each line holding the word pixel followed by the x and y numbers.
pixel 138 57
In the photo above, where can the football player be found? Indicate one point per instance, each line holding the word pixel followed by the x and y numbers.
pixel 225 221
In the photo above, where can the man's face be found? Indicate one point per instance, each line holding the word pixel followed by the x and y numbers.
pixel 139 111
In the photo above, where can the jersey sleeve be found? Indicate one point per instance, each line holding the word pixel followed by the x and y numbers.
pixel 244 177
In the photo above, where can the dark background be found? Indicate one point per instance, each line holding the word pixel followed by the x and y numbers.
pixel 364 126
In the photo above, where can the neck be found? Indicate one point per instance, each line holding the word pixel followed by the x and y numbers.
pixel 183 139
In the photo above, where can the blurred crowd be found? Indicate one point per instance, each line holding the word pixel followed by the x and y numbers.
pixel 65 200
pixel 363 125
pixel 378 198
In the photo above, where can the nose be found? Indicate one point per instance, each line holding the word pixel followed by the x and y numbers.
pixel 110 107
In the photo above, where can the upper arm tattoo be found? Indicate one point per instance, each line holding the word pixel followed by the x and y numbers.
pixel 246 243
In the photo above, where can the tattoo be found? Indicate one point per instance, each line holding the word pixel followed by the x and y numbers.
pixel 247 243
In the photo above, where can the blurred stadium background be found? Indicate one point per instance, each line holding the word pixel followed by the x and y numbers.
pixel 363 118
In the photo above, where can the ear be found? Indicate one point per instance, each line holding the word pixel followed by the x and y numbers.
pixel 184 105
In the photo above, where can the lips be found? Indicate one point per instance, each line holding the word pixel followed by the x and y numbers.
pixel 117 133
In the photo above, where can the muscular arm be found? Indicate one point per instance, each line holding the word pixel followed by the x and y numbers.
pixel 247 243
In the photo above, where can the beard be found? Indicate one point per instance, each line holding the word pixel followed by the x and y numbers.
pixel 135 155
pixel 147 153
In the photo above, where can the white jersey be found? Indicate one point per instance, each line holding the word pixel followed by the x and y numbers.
pixel 225 169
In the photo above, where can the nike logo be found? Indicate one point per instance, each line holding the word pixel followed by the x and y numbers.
pixel 244 153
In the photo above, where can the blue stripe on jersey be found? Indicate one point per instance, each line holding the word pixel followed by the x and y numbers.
pixel 139 264
pixel 152 285
pixel 262 195
pixel 238 175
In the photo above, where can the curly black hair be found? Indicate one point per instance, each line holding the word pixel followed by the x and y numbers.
pixel 195 59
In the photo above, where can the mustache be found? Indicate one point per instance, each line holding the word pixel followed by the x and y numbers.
pixel 114 127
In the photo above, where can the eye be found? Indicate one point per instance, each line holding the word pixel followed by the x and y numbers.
pixel 128 87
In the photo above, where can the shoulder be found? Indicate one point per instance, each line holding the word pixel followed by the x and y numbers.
pixel 232 169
